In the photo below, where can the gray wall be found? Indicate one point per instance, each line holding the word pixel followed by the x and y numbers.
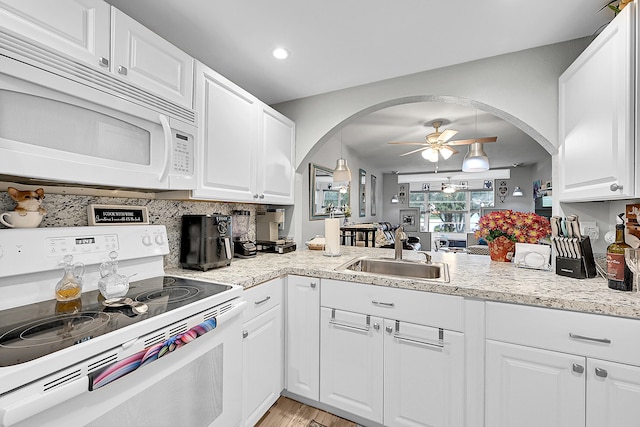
pixel 520 87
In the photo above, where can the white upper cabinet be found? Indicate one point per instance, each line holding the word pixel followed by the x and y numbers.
pixel 597 156
pixel 90 32
pixel 147 60
pixel 247 147
pixel 79 28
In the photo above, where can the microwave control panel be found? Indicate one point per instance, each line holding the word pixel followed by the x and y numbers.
pixel 183 154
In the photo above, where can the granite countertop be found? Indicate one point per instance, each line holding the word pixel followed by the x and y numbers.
pixel 474 276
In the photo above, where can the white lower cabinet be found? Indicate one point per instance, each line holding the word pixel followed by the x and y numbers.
pixel 424 377
pixel 351 369
pixel 262 351
pixel 303 336
pixel 385 367
pixel 557 368
pixel 530 387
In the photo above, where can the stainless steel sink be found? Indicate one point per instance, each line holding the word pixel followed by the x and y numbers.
pixel 436 271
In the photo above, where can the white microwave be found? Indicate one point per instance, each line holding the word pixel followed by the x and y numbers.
pixel 64 122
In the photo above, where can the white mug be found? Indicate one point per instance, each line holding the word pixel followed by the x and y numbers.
pixel 14 220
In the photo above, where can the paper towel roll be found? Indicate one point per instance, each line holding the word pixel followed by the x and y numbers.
pixel 332 236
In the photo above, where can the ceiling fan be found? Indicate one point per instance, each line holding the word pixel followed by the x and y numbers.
pixel 438 143
pixel 449 187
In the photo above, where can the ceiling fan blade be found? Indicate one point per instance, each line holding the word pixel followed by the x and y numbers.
pixel 471 141
pixel 447 135
pixel 407 143
pixel 414 151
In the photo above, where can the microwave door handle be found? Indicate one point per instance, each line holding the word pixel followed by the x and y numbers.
pixel 167 147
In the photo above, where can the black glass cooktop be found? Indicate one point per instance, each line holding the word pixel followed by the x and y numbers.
pixel 35 330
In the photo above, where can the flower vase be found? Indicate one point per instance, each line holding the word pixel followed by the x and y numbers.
pixel 501 249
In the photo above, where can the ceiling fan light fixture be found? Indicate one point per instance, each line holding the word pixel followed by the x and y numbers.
pixel 430 154
pixel 476 159
pixel 446 152
pixel 341 173
pixel 448 189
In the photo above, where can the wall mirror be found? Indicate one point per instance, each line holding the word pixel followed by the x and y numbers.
pixel 325 194
pixel 362 180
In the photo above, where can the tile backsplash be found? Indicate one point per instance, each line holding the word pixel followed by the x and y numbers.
pixel 65 210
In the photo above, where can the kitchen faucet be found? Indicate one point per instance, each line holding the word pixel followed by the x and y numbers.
pixel 397 244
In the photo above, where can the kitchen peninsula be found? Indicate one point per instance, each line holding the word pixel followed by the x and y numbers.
pixel 473 276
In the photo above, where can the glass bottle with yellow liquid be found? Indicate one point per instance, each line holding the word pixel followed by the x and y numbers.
pixel 619 276
pixel 69 288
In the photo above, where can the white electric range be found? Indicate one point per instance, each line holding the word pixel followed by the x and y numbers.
pixel 81 363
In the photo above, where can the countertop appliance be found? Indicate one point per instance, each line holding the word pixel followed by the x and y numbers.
pixel 65 121
pixel 205 241
pixel 82 363
pixel 243 247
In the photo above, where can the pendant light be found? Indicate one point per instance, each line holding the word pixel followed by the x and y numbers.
pixel 517 192
pixel 341 173
pixel 476 159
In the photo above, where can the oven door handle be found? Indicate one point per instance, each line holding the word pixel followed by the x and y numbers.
pixel 32 405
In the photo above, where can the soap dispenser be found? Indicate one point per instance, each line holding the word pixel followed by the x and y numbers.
pixel 69 288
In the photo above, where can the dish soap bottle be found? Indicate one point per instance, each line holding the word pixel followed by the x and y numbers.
pixel 69 288
pixel 619 276
pixel 112 284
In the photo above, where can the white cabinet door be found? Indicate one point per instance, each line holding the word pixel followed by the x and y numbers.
pixel 423 376
pixel 142 57
pixel 597 120
pixel 613 394
pixel 276 176
pixel 303 336
pixel 78 28
pixel 529 387
pixel 262 364
pixel 351 351
pixel 227 129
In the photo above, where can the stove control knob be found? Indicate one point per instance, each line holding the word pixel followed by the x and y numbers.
pixel 160 239
pixel 146 240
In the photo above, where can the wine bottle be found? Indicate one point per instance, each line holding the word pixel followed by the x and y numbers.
pixel 619 276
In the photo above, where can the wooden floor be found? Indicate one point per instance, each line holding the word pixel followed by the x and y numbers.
pixel 289 413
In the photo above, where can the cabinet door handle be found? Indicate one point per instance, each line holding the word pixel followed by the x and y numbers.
pixel 313 285
pixel 583 338
pixel 333 322
pixel 400 337
pixel 255 196
pixel 615 187
pixel 261 196
pixel 384 304
pixel 389 329
pixel 262 301
pixel 104 62
pixel 122 70
pixel 245 334
pixel 578 368
pixel 602 373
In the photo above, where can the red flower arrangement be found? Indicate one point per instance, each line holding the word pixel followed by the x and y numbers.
pixel 523 227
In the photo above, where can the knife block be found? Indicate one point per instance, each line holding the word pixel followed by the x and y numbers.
pixel 578 268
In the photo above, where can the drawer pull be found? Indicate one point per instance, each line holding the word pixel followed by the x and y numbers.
pixel 384 304
pixel 581 337
pixel 437 346
pixel 333 322
pixel 578 368
pixel 602 373
pixel 262 301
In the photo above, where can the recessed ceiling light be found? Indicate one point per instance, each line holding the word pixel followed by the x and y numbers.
pixel 280 53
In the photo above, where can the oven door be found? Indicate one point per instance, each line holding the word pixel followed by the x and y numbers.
pixel 60 130
pixel 196 385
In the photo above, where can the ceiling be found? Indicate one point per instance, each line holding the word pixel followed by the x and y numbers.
pixel 336 44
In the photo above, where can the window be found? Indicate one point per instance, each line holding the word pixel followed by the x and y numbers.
pixel 457 212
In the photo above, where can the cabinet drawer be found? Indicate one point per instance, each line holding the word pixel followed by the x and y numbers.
pixel 262 298
pixel 592 335
pixel 425 308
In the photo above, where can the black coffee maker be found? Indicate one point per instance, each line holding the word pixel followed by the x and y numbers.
pixel 206 241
